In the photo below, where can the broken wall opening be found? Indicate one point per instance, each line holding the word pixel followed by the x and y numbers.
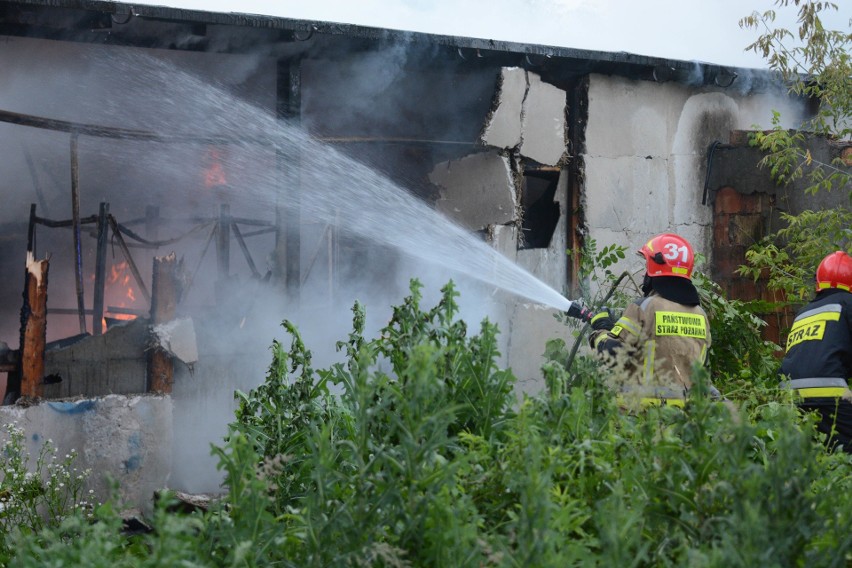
pixel 540 208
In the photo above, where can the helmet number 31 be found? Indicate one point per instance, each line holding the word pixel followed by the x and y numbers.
pixel 674 251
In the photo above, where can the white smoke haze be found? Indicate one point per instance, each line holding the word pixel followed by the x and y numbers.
pixel 364 235
pixel 383 234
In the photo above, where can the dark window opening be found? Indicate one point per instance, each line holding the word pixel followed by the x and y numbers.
pixel 540 211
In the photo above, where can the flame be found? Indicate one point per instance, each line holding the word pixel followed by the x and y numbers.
pixel 214 173
pixel 118 286
pixel 116 271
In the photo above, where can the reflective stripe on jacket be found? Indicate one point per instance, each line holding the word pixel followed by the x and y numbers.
pixel 817 387
pixel 819 346
pixel 665 338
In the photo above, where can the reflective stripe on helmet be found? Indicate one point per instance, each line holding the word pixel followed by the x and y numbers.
pixel 835 271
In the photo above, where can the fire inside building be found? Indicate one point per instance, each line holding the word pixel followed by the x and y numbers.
pixel 175 183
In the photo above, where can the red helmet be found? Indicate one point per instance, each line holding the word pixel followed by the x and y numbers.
pixel 835 271
pixel 668 255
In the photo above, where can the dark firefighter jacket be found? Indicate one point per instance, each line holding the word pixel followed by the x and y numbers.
pixel 820 341
pixel 818 363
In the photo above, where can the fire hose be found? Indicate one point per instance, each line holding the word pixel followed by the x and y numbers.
pixel 578 311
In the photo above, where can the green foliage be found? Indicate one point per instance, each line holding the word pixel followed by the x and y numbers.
pixel 739 356
pixel 817 64
pixel 807 239
pixel 597 277
pixel 414 452
pixel 36 494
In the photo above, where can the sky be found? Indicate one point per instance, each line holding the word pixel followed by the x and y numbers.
pixel 689 30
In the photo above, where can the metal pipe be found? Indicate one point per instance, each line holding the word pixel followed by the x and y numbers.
pixel 33 174
pixel 65 223
pixel 200 259
pixel 31 230
pixel 710 153
pixel 77 128
pixel 67 311
pixel 223 241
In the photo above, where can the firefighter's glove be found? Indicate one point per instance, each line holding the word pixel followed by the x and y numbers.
pixel 580 312
pixel 602 321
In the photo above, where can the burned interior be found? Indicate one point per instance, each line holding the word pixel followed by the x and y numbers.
pixel 135 185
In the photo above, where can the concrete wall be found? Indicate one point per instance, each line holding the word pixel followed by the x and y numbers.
pixel 646 154
pixel 127 438
pixel 526 127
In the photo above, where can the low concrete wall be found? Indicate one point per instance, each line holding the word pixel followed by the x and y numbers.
pixel 126 437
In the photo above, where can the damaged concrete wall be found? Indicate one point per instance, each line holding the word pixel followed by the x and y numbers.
pixel 526 128
pixel 529 116
pixel 128 438
pixel 646 153
pixel 477 190
pixel 147 442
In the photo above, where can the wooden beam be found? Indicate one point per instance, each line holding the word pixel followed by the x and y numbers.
pixel 164 295
pixel 34 327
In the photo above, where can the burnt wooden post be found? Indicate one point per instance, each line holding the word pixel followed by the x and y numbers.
pixel 100 269
pixel 288 215
pixel 33 327
pixel 31 234
pixel 164 290
pixel 75 224
pixel 223 242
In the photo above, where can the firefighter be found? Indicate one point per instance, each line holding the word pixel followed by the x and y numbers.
pixel 818 360
pixel 662 334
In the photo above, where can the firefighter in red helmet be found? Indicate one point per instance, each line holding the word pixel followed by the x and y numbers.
pixel 818 360
pixel 664 333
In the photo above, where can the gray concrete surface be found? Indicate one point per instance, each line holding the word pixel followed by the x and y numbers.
pixel 544 123
pixel 528 115
pixel 128 438
pixel 477 190
pixel 503 126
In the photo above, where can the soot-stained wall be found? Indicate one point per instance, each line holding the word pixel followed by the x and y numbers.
pixel 646 156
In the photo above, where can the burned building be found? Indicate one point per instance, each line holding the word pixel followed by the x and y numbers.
pixel 176 182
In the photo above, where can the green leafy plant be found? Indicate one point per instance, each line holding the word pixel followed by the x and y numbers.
pixel 816 63
pixel 416 452
pixel 739 356
pixel 37 492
